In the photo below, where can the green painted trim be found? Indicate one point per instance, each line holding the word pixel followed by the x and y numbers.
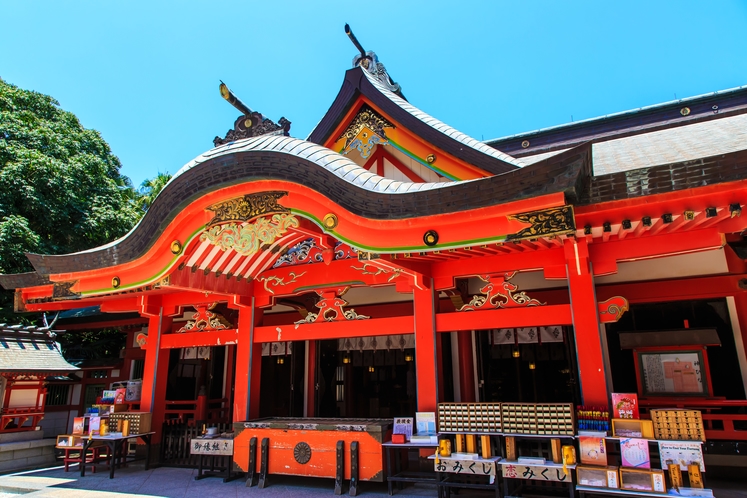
pixel 146 281
pixel 419 248
pixel 423 162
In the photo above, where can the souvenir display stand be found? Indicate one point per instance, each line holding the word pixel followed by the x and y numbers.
pixel 673 437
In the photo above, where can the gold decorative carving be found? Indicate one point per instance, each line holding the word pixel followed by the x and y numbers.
pixel 116 282
pixel 247 207
pixel 553 221
pixel 247 239
pixel 279 281
pixel 367 269
pixel 176 247
pixel 205 320
pixel 499 293
pixel 331 309
pixel 365 131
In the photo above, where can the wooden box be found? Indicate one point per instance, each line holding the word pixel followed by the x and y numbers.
pixel 599 477
pixel 68 441
pixel 678 425
pixel 651 481
pixel 317 438
pixel 139 421
pixel 627 427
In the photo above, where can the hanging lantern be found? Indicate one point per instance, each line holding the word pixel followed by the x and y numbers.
pixel 371 369
pixel 408 356
pixel 532 366
pixel 516 353
pixel 281 360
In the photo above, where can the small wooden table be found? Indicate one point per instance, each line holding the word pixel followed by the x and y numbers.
pixel 116 444
pixel 215 447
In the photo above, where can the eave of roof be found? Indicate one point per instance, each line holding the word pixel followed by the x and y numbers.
pixel 631 122
pixel 333 175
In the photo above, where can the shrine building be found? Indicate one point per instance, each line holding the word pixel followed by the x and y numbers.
pixel 389 262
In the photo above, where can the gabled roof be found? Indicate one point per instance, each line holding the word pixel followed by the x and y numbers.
pixel 30 349
pixel 359 81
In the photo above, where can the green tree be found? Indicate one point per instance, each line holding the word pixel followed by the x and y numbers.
pixel 150 189
pixel 61 190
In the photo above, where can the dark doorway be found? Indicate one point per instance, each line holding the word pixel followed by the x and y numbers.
pixel 364 384
pixel 282 383
pixel 529 373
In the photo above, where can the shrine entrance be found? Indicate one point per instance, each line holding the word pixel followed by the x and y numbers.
pixel 282 379
pixel 366 382
pixel 530 365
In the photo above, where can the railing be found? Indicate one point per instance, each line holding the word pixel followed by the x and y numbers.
pixel 217 411
pixel 176 441
pixel 13 419
pixel 723 419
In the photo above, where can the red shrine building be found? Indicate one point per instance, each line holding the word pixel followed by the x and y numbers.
pixel 389 262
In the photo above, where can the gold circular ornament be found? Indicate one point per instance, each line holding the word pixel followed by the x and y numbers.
pixel 525 144
pixel 431 158
pixel 430 238
pixel 176 247
pixel 115 282
pixel 330 221
pixel 685 111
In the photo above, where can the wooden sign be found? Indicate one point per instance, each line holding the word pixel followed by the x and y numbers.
pixel 535 472
pixel 472 467
pixel 215 446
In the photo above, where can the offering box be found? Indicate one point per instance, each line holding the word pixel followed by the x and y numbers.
pixel 316 438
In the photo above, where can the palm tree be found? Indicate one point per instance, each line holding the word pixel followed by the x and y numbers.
pixel 150 189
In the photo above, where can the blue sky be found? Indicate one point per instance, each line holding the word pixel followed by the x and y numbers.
pixel 146 74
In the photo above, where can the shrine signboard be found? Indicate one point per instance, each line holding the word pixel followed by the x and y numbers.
pixel 535 472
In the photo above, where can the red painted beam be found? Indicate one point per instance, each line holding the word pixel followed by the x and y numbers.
pixel 535 316
pixel 335 330
pixel 650 247
pixel 199 339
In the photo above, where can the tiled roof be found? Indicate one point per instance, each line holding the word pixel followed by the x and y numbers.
pixel 30 349
pixel 683 143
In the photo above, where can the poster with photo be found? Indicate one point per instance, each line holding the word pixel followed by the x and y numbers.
pixel 678 372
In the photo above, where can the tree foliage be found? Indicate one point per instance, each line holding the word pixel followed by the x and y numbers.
pixel 150 189
pixel 61 187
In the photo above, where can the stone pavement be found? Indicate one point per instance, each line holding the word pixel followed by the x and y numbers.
pixel 133 481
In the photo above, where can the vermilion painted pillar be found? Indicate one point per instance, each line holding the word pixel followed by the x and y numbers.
pixel 425 349
pixel 585 323
pixel 466 366
pixel 155 373
pixel 246 384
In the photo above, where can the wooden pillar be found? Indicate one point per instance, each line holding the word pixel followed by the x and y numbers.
pixel 425 348
pixel 248 365
pixel 156 372
pixel 585 323
pixel 466 366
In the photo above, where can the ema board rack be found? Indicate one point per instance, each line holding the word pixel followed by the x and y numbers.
pixel 538 418
pixel 544 419
pixel 469 417
pixel 679 425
